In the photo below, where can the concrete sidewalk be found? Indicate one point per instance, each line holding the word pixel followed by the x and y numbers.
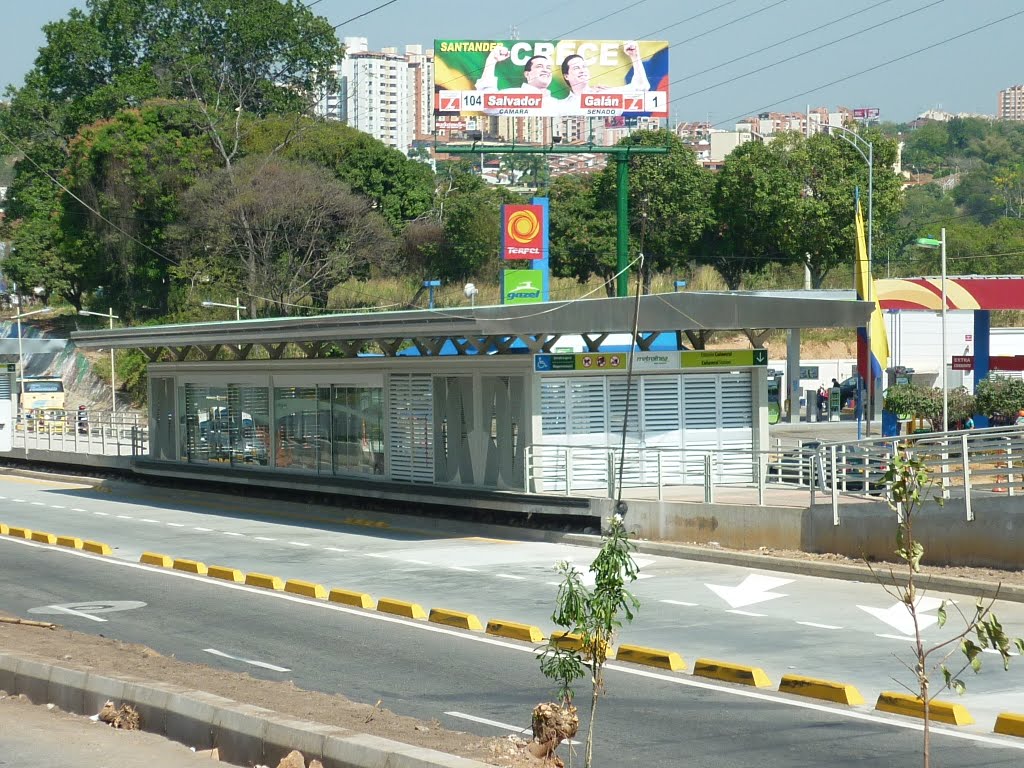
pixel 34 736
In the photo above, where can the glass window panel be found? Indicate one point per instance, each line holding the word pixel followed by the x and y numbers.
pixel 250 425
pixel 358 432
pixel 298 436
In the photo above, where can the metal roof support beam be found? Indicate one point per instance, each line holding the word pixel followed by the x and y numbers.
pixel 502 343
pixel 275 351
pixel 390 346
pixel 240 351
pixel 349 348
pixel 153 353
pixel 180 353
pixel 461 345
pixel 209 353
pixel 594 344
pixel 431 346
pixel 758 338
pixel 542 342
pixel 644 341
pixel 698 339
pixel 311 348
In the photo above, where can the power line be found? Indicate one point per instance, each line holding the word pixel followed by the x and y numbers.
pixel 629 7
pixel 875 67
pixel 365 13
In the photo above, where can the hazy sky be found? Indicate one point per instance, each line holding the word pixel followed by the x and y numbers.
pixel 963 75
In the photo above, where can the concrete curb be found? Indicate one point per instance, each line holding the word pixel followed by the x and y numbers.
pixel 827 690
pixel 911 706
pixel 244 734
pixel 728 672
pixel 825 570
pixel 650 657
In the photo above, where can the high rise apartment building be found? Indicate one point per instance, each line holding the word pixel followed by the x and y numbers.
pixel 1011 103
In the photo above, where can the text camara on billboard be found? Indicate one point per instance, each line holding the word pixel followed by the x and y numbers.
pixel 551 78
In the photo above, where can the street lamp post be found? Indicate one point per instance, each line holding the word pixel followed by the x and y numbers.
pixel 931 242
pixel 238 306
pixel 109 314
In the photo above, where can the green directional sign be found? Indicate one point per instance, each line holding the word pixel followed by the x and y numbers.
pixel 724 358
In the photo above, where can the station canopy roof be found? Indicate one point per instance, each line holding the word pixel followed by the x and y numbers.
pixel 490 329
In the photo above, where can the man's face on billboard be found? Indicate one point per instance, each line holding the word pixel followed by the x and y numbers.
pixel 538 72
pixel 577 74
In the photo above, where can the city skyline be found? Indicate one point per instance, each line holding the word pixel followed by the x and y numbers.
pixel 707 38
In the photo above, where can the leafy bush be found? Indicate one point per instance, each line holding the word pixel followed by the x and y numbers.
pixel 1000 398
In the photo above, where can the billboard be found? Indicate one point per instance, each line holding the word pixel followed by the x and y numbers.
pixel 551 78
pixel 522 232
pixel 866 113
pixel 522 286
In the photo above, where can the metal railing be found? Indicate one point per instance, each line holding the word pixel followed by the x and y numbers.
pixel 124 433
pixel 962 463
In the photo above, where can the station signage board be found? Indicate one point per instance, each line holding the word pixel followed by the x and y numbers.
pixel 963 362
pixel 724 358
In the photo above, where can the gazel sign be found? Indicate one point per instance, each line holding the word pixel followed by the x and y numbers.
pixel 522 286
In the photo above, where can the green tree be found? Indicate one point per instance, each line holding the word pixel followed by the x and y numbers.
pixel 753 196
pixel 1000 398
pixel 593 618
pixel 669 201
pixel 285 232
pixel 582 235
pixel 909 486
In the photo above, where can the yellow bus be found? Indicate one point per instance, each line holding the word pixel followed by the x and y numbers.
pixel 41 392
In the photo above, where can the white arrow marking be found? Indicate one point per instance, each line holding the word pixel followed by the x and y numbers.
pixel 898 616
pixel 72 612
pixel 754 589
pixel 262 664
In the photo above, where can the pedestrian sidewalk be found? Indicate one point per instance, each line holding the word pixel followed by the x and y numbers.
pixel 35 737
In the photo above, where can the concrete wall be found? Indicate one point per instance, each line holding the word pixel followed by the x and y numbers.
pixel 994 539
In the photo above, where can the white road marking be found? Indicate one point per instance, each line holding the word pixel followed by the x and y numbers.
pixel 298 544
pixel 416 562
pixel 466 570
pixel 77 509
pixel 61 609
pixel 176 525
pixel 101 514
pixel 510 576
pixel 683 680
pixel 125 517
pixel 53 506
pixel 3 497
pixel 755 588
pixel 898 617
pixel 20 501
pixel 818 626
pixel 204 530
pixel 150 520
pixel 904 638
pixel 746 613
pixel 262 664
pixel 38 504
pixel 264 538
pixel 232 533
pixel 332 549
pixel 496 724
pixel 376 554
pixel 680 602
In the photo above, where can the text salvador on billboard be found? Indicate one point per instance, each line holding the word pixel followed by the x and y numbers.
pixel 551 78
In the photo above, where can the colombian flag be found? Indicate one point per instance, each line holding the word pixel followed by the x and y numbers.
pixel 876 357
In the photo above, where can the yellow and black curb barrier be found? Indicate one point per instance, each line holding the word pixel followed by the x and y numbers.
pixel 827 690
pixel 514 630
pixel 912 706
pixel 157 559
pixel 1010 724
pixel 306 589
pixel 42 537
pixel 456 619
pixel 731 673
pixel 401 608
pixel 264 580
pixel 349 597
pixel 225 573
pixel 189 566
pixel 650 657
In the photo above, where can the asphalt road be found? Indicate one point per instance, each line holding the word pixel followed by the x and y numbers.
pixel 648 718
pixel 838 630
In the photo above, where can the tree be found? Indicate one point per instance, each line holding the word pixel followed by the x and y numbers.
pixel 582 235
pixel 669 201
pixel 594 618
pixel 283 231
pixel 1000 398
pixel 753 193
pixel 909 485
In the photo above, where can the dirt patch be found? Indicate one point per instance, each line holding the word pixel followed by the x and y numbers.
pixel 76 650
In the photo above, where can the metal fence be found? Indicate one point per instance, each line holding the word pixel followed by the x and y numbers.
pixel 121 433
pixel 962 464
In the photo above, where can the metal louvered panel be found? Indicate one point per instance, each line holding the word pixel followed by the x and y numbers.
pixel 410 427
pixel 587 407
pixel 553 410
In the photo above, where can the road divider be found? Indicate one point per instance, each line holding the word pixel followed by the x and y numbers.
pixel 70 541
pixel 456 619
pixel 827 690
pixel 189 566
pixel 514 630
pixel 43 538
pixel 96 547
pixel 650 657
pixel 20 533
pixel 305 588
pixel 366 523
pixel 355 599
pixel 157 559
pixel 265 581
pixel 4 530
pixel 401 608
pixel 911 706
pixel 225 573
pixel 1010 724
pixel 574 642
pixel 731 673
